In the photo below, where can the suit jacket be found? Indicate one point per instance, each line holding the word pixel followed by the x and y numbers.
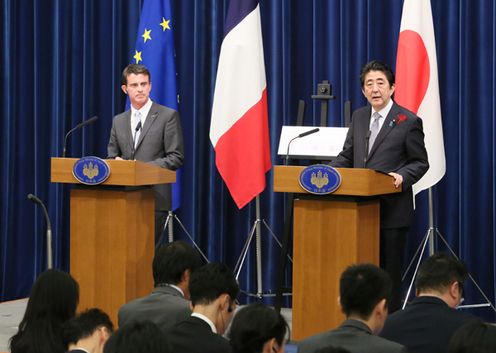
pixel 160 143
pixel 165 306
pixel 399 147
pixel 195 336
pixel 352 335
pixel 426 325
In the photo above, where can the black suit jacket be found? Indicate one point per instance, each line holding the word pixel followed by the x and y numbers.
pixel 399 147
pixel 425 326
pixel 160 143
pixel 352 335
pixel 195 336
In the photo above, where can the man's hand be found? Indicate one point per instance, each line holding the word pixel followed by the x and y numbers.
pixel 398 179
pixel 119 159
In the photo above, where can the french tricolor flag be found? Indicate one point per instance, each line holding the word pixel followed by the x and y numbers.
pixel 417 86
pixel 239 126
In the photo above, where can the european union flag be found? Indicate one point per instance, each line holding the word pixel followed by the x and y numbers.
pixel 155 50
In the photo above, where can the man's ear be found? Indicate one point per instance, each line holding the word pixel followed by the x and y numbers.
pixel 124 89
pixel 185 276
pixel 454 290
pixel 382 307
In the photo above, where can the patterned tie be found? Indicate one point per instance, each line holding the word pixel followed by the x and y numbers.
pixel 137 121
pixel 374 129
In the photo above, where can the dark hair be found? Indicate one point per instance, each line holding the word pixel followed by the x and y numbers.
pixel 210 281
pixel 474 337
pixel 172 259
pixel 137 336
pixel 135 69
pixel 376 65
pixel 332 349
pixel 85 324
pixel 254 325
pixel 439 271
pixel 53 301
pixel 362 287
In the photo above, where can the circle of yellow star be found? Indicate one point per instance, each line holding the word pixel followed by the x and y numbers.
pixel 137 56
pixel 165 24
pixel 146 35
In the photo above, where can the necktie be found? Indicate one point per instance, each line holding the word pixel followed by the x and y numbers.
pixel 374 129
pixel 137 132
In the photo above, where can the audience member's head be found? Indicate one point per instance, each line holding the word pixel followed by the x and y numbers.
pixel 88 330
pixel 365 290
pixel 53 300
pixel 474 337
pixel 213 290
pixel 257 328
pixel 135 337
pixel 331 349
pixel 173 264
pixel 443 276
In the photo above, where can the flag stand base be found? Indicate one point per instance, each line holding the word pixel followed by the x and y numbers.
pixel 430 234
pixel 169 224
pixel 256 230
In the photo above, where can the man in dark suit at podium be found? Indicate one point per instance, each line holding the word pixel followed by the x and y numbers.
pixel 147 132
pixel 387 137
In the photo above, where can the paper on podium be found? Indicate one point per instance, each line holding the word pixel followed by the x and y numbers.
pixel 324 144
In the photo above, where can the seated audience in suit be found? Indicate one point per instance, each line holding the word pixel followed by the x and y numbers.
pixel 53 300
pixel 365 290
pixel 427 324
pixel 474 337
pixel 169 302
pixel 213 289
pixel 257 328
pixel 88 332
pixel 138 337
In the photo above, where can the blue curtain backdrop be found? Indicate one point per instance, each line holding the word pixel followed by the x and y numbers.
pixel 61 63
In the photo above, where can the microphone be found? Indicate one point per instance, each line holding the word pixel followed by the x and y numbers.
pixel 303 134
pixel 36 200
pixel 78 126
pixel 138 128
pixel 367 138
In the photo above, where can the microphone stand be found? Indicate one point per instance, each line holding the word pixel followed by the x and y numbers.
pixel 36 200
pixel 78 126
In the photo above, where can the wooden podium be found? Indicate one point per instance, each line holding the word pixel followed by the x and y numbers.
pixel 112 232
pixel 330 232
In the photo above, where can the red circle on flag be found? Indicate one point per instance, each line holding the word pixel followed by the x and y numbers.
pixel 412 70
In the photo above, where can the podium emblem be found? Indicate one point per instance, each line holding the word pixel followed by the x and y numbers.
pixel 320 179
pixel 91 170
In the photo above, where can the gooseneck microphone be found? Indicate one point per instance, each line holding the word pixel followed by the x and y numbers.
pixel 36 200
pixel 78 126
pixel 367 138
pixel 303 134
pixel 138 128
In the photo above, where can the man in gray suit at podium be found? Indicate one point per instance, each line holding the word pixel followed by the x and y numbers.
pixel 147 132
pixel 364 293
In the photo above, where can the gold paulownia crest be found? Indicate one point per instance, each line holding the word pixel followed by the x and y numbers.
pixel 90 170
pixel 319 180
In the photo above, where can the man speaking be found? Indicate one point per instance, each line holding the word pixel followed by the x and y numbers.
pixel 148 132
pixel 387 137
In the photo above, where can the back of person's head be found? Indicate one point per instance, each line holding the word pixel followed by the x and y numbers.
pixel 362 287
pixel 85 324
pixel 332 349
pixel 376 65
pixel 135 337
pixel 210 281
pixel 474 337
pixel 53 300
pixel 439 272
pixel 255 325
pixel 172 259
